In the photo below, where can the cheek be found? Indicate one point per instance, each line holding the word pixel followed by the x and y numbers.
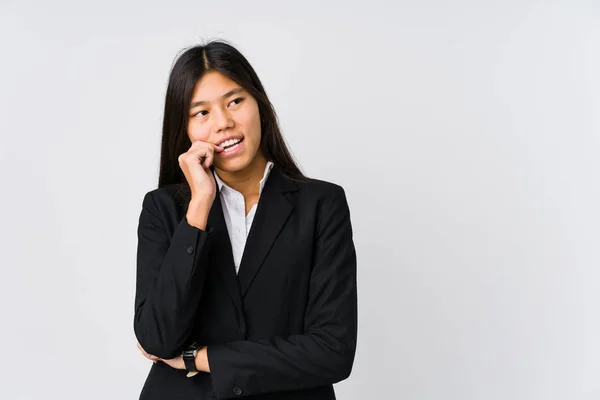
pixel 251 123
pixel 197 131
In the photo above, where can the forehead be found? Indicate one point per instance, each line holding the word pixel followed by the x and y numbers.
pixel 212 86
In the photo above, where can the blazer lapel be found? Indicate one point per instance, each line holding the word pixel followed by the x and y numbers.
pixel 272 213
pixel 220 247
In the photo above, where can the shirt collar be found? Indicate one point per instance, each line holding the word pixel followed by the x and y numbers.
pixel 268 169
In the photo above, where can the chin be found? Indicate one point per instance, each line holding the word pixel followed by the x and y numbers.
pixel 233 165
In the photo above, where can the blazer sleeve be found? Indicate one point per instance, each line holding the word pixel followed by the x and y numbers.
pixel 170 276
pixel 324 354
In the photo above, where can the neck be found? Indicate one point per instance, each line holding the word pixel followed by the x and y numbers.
pixel 246 181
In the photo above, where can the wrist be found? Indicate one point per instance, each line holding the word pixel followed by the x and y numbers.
pixel 201 360
pixel 202 202
pixel 195 221
pixel 189 359
pixel 197 214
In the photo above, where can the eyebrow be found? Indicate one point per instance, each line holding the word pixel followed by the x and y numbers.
pixel 230 93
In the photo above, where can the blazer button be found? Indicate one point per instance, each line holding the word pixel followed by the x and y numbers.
pixel 190 249
pixel 237 391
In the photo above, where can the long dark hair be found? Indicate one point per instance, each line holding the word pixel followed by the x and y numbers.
pixel 189 67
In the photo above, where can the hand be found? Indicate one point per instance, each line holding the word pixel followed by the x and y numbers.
pixel 147 355
pixel 176 362
pixel 195 164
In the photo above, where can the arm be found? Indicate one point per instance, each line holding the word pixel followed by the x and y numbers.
pixel 324 354
pixel 170 278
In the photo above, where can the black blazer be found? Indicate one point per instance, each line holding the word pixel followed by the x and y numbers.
pixel 284 328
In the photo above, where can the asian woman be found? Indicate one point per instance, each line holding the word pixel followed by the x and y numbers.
pixel 246 268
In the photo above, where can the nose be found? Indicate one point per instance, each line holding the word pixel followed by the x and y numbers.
pixel 222 120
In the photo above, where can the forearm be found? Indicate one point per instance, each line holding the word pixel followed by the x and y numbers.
pixel 201 360
pixel 167 299
pixel 263 366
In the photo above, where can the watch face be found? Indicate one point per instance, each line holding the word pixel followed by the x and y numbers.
pixel 191 351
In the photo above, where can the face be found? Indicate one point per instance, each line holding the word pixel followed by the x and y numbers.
pixel 225 114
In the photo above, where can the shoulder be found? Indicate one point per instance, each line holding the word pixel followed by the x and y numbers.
pixel 326 196
pixel 162 207
pixel 320 189
pixel 168 201
pixel 306 190
pixel 326 202
pixel 157 195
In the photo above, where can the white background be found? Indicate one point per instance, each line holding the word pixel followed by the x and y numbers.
pixel 466 135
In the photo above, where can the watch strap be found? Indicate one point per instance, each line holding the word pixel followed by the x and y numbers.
pixel 189 359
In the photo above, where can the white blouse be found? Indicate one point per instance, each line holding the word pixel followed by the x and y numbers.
pixel 234 211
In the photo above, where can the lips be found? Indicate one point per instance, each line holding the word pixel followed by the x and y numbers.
pixel 231 150
pixel 230 141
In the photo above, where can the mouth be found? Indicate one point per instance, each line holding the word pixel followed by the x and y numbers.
pixel 231 146
pixel 230 142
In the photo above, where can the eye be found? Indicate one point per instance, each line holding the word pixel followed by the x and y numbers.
pixel 237 101
pixel 199 113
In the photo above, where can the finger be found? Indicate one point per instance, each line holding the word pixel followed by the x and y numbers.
pixel 205 151
pixel 206 157
pixel 197 144
pixel 139 346
pixel 199 152
pixel 146 354
pixel 150 356
pixel 202 153
pixel 208 160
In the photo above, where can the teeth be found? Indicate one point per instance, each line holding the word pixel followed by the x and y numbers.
pixel 230 148
pixel 229 142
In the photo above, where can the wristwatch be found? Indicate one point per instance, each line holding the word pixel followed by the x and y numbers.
pixel 189 359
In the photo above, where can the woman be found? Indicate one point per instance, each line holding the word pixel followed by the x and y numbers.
pixel 246 269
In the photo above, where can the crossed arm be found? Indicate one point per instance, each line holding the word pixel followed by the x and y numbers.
pixel 172 284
